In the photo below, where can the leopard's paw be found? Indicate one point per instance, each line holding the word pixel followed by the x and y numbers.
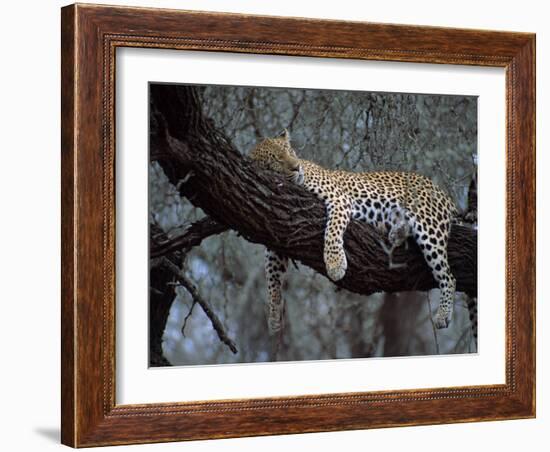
pixel 275 317
pixel 336 265
pixel 442 318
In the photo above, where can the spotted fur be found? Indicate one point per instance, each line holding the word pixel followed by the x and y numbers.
pixel 399 204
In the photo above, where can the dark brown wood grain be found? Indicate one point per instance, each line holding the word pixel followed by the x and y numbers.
pixel 68 244
pixel 90 36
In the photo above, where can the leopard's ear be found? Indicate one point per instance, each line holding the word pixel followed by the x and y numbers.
pixel 286 135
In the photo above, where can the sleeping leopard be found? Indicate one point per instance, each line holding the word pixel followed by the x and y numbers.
pixel 398 204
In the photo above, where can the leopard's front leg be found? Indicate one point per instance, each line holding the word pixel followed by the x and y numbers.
pixel 338 212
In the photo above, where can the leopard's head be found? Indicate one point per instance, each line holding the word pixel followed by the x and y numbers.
pixel 277 154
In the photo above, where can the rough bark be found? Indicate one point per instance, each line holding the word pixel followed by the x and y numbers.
pixel 161 297
pixel 190 237
pixel 264 208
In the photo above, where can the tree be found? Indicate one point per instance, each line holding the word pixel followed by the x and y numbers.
pixel 261 207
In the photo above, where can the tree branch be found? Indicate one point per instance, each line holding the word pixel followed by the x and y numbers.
pixel 192 236
pixel 190 287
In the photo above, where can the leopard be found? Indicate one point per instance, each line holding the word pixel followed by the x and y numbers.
pixel 401 205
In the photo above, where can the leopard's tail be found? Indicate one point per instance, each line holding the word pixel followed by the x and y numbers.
pixel 472 309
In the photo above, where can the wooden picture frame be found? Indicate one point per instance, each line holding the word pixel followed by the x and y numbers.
pixel 90 37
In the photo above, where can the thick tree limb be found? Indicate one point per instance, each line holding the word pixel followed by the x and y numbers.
pixel 264 208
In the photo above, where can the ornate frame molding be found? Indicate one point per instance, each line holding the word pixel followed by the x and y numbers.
pixel 90 36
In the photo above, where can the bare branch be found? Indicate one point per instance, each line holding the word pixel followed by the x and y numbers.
pixel 190 287
pixel 189 313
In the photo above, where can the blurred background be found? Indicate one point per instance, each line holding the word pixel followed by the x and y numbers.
pixel 435 135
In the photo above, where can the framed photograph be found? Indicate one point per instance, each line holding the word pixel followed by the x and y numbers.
pixel 281 225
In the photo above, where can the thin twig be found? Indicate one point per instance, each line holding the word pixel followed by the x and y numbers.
pixel 187 317
pixel 190 287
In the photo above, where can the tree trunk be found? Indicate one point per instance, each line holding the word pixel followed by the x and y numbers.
pixel 161 296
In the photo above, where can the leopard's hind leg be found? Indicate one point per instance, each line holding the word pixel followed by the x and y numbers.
pixel 433 241
pixel 275 269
